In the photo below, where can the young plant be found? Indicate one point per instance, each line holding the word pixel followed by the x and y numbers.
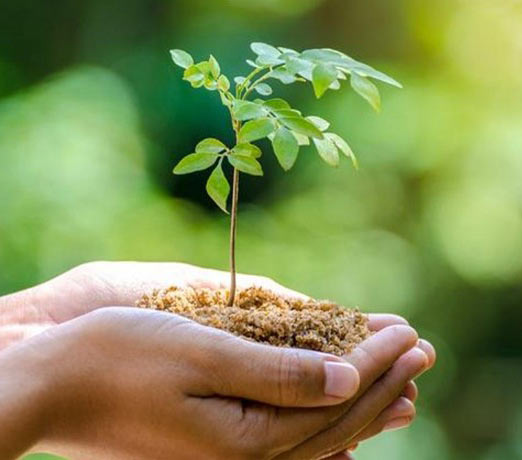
pixel 273 118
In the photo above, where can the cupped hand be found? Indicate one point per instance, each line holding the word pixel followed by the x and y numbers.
pixel 125 383
pixel 100 284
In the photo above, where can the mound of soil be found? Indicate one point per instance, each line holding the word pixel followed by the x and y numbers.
pixel 265 317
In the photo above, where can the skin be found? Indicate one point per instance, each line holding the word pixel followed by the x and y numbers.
pixel 108 381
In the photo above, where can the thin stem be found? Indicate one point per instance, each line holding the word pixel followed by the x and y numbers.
pixel 233 227
pixel 266 76
pixel 242 91
pixel 233 221
pixel 249 77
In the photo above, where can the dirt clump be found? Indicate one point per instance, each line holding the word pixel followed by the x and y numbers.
pixel 263 316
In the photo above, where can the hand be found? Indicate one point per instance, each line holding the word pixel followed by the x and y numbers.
pixel 100 284
pixel 125 383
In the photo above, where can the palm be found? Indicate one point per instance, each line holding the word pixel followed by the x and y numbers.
pixel 102 284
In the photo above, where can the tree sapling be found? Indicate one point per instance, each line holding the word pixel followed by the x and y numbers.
pixel 256 115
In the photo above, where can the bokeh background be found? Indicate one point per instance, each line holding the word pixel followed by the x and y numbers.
pixel 94 115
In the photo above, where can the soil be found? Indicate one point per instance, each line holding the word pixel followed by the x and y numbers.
pixel 265 317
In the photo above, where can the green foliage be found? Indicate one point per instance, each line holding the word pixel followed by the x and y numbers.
pixel 254 130
pixel 218 187
pixel 286 147
pixel 286 128
pixel 245 164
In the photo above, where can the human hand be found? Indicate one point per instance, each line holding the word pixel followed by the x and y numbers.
pixel 133 384
pixel 100 284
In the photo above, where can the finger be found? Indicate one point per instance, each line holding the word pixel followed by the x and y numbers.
pixel 12 334
pixel 292 427
pixel 124 283
pixel 395 411
pixel 429 349
pixel 269 428
pixel 282 377
pixel 411 391
pixel 378 321
pixel 401 410
pixel 364 411
pixel 376 355
pixel 288 377
pixel 342 456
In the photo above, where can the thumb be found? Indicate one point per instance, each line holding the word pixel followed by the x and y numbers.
pixel 285 377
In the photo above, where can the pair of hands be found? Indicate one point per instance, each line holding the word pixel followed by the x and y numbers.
pixel 114 382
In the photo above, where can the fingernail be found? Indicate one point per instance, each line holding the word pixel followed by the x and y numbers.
pixel 342 379
pixel 427 348
pixel 423 360
pixel 403 406
pixel 397 423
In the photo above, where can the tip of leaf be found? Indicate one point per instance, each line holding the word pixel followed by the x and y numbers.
pixel 394 82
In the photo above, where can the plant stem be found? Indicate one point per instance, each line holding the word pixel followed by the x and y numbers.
pixel 233 227
pixel 242 86
pixel 266 76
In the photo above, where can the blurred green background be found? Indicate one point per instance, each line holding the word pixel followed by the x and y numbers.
pixel 94 115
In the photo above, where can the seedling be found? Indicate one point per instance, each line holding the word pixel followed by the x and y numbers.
pixel 273 118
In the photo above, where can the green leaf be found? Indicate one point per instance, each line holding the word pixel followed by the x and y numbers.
pixel 283 76
pixel 223 83
pixel 247 150
pixel 321 123
pixel 287 113
pixel 286 148
pixel 343 146
pixel 181 58
pixel 215 70
pixel 327 56
pixel 328 151
pixel 263 49
pixel 211 85
pixel 367 71
pixel 295 65
pixel 246 110
pixel 218 187
pixel 288 51
pixel 347 64
pixel 225 100
pixel 277 104
pixel 302 126
pixel 204 68
pixel 194 76
pixel 252 63
pixel 210 145
pixel 267 60
pixel 239 80
pixel 256 129
pixel 246 164
pixel 301 138
pixel 323 76
pixel 195 162
pixel 367 90
pixel 263 89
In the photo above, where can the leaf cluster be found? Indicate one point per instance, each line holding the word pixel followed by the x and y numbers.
pixel 286 127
